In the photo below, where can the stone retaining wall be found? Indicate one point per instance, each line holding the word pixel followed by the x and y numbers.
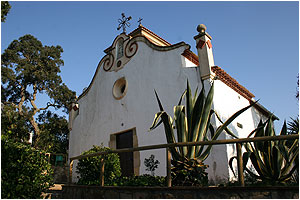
pixel 96 192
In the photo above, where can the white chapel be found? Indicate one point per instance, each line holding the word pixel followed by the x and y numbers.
pixel 118 107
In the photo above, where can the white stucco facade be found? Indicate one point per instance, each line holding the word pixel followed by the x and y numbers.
pixel 165 69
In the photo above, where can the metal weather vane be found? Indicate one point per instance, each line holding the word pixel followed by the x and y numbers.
pixel 124 22
pixel 140 21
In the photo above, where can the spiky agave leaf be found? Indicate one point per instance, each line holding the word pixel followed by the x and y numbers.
pixel 189 109
pixel 209 127
pixel 229 132
pixel 293 126
pixel 167 121
pixel 203 122
pixel 245 157
pixel 180 123
pixel 221 128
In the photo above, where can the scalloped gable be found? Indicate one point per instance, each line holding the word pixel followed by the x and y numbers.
pixel 158 43
pixel 110 61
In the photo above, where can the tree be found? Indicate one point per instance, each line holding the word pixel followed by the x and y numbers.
pixel 5 7
pixel 29 69
pixel 13 125
pixel 54 133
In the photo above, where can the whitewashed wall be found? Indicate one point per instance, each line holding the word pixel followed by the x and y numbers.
pixel 101 115
pixel 226 103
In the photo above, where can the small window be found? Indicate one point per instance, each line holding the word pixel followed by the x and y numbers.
pixel 120 88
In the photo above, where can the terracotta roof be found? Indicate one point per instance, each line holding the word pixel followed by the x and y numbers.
pixel 231 82
pixel 188 54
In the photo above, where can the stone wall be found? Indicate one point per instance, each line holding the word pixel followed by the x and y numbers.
pixel 96 192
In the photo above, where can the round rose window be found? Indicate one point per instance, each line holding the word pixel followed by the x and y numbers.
pixel 120 88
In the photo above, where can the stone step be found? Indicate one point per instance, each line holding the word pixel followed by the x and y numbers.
pixel 54 192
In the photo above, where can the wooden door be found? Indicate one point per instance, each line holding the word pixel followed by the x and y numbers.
pixel 125 140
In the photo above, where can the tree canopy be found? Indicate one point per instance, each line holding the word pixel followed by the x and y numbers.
pixel 5 7
pixel 29 68
pixel 54 133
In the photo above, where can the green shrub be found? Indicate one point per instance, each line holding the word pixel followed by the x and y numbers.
pixel 25 171
pixel 143 180
pixel 89 168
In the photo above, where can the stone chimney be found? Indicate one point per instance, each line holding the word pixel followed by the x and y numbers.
pixel 205 54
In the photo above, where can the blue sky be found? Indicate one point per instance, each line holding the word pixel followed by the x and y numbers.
pixel 257 43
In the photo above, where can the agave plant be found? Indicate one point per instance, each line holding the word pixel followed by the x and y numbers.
pixel 293 128
pixel 273 160
pixel 192 124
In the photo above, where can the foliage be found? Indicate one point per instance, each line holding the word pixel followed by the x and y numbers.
pixel 272 160
pixel 249 180
pixel 89 168
pixel 54 133
pixel 5 7
pixel 143 180
pixel 189 173
pixel 29 69
pixel 151 164
pixel 13 125
pixel 192 123
pixel 25 171
pixel 293 128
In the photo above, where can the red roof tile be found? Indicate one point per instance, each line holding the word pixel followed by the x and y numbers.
pixel 188 54
pixel 231 82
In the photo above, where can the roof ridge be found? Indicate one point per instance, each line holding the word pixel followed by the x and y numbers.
pixel 231 82
pixel 141 27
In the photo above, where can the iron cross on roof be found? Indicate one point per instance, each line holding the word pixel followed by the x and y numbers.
pixel 124 22
pixel 140 21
